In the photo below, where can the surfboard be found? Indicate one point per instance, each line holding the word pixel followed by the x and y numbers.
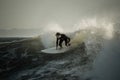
pixel 53 50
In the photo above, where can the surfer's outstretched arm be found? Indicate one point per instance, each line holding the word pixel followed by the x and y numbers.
pixel 57 43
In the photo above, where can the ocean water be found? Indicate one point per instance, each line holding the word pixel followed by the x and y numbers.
pixel 95 52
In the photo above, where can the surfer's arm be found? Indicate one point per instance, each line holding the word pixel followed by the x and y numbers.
pixel 57 42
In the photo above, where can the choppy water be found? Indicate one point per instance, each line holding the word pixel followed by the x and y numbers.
pixel 92 56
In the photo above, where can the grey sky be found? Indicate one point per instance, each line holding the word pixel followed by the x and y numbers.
pixel 37 13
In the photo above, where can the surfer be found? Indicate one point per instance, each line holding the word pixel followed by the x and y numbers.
pixel 60 38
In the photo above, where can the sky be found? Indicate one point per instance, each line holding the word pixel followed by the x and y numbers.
pixel 38 13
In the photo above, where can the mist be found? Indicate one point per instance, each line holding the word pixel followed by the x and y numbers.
pixel 106 65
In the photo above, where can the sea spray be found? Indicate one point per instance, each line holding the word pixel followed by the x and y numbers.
pixel 48 37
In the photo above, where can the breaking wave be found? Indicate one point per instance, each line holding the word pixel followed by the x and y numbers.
pixel 25 61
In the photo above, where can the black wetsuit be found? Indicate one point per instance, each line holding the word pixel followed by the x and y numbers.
pixel 62 38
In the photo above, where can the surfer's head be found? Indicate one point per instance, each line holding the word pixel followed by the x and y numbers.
pixel 58 34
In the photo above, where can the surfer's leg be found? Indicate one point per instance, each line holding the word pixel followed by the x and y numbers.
pixel 60 43
pixel 66 43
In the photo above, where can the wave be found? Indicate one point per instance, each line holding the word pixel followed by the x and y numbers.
pixel 23 59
